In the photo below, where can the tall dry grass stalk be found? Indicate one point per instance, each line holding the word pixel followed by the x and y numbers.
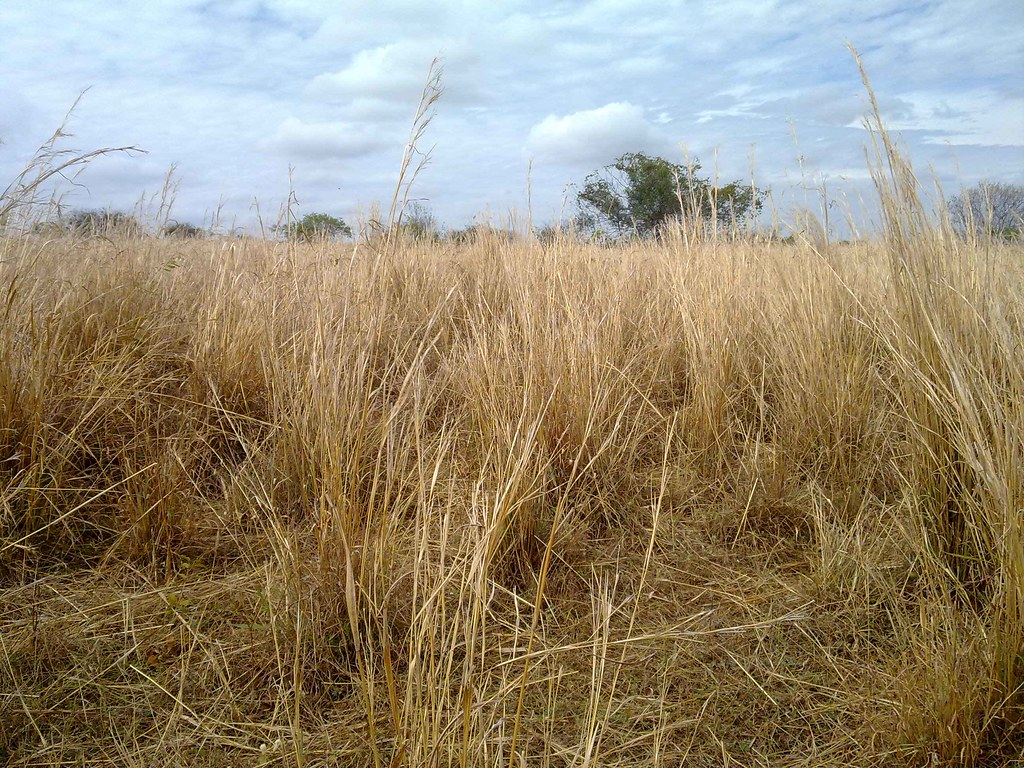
pixel 31 195
pixel 957 344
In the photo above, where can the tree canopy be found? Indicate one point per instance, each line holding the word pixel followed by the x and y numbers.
pixel 638 195
pixel 316 226
pixel 991 209
pixel 419 222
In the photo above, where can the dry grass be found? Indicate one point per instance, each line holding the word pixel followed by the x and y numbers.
pixel 725 504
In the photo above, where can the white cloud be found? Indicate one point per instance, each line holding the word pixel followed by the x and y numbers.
pixel 594 135
pixel 395 71
pixel 322 141
pixel 829 104
pixel 980 117
pixel 391 77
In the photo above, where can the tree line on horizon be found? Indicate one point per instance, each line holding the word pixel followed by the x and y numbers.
pixel 636 197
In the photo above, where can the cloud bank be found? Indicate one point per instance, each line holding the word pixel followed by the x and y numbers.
pixel 244 95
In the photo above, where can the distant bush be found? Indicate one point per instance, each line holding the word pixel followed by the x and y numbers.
pixel 419 223
pixel 89 223
pixel 49 228
pixel 461 236
pixel 182 230
pixel 989 209
pixel 473 232
pixel 549 233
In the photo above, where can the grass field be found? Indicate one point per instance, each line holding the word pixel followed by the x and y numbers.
pixel 680 503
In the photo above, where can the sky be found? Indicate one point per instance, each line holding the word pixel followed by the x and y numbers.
pixel 250 99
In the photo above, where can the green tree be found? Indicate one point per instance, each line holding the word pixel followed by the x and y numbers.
pixel 639 195
pixel 315 226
